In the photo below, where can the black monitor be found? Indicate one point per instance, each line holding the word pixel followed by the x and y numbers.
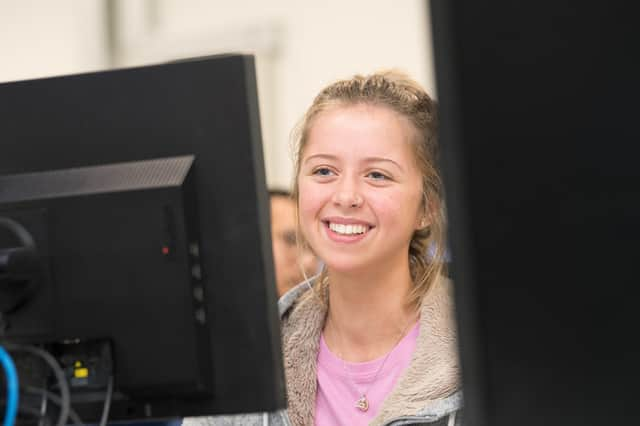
pixel 539 117
pixel 135 242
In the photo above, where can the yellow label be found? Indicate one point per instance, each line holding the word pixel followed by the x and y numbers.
pixel 81 373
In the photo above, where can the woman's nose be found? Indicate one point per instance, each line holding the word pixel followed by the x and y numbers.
pixel 348 199
pixel 347 195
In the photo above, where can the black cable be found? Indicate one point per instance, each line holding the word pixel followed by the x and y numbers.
pixel 30 411
pixel 18 230
pixel 65 403
pixel 73 415
pixel 34 412
pixel 107 402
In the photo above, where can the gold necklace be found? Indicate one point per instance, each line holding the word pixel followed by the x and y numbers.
pixel 362 403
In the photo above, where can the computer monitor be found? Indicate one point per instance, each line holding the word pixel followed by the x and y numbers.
pixel 539 140
pixel 135 203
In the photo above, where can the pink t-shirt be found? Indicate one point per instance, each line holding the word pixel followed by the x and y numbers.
pixel 340 383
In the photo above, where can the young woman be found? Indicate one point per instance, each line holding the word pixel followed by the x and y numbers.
pixel 371 340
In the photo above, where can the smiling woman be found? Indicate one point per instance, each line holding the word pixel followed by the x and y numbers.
pixel 376 327
pixel 388 123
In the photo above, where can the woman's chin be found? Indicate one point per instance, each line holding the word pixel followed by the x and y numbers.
pixel 346 266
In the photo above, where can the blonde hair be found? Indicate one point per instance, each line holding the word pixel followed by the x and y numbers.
pixel 398 92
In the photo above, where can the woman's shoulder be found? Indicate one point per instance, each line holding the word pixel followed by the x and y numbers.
pixel 294 295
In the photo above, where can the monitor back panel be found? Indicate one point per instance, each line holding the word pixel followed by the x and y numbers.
pixel 539 150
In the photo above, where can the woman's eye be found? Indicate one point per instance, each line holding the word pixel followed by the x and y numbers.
pixel 323 171
pixel 378 176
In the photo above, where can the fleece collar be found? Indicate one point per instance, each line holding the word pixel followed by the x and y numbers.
pixel 432 375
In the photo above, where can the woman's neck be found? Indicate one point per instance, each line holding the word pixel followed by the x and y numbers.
pixel 368 313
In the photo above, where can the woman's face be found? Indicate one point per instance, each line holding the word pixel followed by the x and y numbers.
pixel 360 189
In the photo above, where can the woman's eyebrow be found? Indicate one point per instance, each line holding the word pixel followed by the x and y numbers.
pixel 331 157
pixel 382 159
pixel 320 156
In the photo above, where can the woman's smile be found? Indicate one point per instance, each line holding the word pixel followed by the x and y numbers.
pixel 346 230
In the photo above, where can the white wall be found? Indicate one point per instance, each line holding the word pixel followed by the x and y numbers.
pixel 300 45
pixel 41 38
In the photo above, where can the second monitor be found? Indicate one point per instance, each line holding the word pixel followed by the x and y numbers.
pixel 144 192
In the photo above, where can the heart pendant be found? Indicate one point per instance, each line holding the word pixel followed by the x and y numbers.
pixel 362 404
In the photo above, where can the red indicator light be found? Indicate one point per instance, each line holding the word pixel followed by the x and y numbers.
pixel 165 250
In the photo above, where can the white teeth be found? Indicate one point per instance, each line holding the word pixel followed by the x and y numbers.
pixel 339 228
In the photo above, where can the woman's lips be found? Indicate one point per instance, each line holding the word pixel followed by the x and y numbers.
pixel 346 230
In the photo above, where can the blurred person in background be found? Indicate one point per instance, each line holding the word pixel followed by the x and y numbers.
pixel 291 262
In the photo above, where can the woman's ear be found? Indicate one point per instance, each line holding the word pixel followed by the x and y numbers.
pixel 424 218
pixel 423 222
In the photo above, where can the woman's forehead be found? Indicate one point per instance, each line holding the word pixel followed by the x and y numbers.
pixel 360 131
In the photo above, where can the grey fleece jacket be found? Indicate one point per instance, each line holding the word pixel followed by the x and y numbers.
pixel 427 393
